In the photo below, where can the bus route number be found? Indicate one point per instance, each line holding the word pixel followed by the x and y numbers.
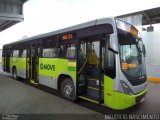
pixel 67 37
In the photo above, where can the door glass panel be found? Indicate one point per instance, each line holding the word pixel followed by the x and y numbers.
pixel 82 60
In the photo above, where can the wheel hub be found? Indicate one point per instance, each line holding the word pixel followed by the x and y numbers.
pixel 68 90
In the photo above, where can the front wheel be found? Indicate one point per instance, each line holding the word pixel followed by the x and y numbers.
pixel 15 73
pixel 68 89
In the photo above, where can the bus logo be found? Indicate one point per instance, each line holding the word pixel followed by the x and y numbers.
pixel 47 67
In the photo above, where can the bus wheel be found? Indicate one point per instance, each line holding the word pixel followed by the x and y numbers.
pixel 68 89
pixel 15 73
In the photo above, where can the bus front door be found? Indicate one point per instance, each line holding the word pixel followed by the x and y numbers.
pixel 90 69
pixel 33 62
pixel 7 61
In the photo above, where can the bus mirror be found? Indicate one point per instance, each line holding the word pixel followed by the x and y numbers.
pixel 112 44
pixel 142 46
pixel 144 50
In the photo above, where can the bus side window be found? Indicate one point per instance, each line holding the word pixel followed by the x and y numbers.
pixel 15 53
pixel 11 54
pixel 71 51
pixel 20 53
pixel 49 52
pixel 62 50
pixel 24 54
pixel 49 48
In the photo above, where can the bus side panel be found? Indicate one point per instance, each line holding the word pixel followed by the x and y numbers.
pixel 51 68
pixel 12 63
pixel 108 91
pixel 3 63
pixel 21 67
pixel 20 64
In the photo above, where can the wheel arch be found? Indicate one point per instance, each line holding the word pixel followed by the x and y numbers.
pixel 61 77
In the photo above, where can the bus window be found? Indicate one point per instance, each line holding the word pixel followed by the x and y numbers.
pixel 71 51
pixel 11 53
pixel 49 48
pixel 93 56
pixel 49 52
pixel 15 53
pixel 82 52
pixel 61 51
pixel 24 54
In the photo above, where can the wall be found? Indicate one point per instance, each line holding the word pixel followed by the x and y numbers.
pixel 152 43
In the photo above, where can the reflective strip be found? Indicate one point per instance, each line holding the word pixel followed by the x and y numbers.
pixel 92 79
pixel 94 101
pixel 33 82
pixel 94 88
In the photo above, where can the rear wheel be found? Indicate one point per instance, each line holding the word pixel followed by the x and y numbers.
pixel 15 73
pixel 68 89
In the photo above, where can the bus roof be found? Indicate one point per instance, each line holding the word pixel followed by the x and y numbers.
pixel 109 20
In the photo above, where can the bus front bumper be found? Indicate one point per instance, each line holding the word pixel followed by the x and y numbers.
pixel 123 101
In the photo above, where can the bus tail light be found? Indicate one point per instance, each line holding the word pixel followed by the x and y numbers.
pixel 126 88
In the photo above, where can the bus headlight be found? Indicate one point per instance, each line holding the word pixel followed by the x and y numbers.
pixel 126 88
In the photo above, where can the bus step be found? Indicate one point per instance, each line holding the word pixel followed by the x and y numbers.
pixel 89 98
pixel 81 84
pixel 81 88
pixel 95 87
pixel 93 82
pixel 33 82
pixel 94 92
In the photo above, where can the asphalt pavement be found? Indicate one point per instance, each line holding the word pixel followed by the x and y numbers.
pixel 17 97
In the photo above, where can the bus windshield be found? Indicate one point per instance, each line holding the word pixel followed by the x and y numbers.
pixel 131 53
pixel 132 61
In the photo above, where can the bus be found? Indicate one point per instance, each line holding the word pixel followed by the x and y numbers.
pixel 102 61
pixel 0 56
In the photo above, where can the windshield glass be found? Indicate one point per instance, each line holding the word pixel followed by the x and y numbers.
pixel 132 61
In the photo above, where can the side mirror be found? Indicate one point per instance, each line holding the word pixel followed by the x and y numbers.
pixel 144 50
pixel 142 47
pixel 112 44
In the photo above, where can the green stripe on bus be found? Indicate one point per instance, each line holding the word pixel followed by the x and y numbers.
pixel 71 68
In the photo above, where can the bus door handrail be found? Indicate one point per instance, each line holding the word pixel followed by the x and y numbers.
pixel 82 66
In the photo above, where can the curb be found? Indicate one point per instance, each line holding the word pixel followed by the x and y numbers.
pixel 153 79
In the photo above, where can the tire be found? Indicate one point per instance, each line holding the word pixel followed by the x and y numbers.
pixel 15 73
pixel 68 89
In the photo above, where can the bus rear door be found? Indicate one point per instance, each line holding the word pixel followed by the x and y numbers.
pixel 33 62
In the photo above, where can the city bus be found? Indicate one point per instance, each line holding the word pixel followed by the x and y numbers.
pixel 0 56
pixel 102 61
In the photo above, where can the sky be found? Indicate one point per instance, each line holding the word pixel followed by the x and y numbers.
pixel 42 16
